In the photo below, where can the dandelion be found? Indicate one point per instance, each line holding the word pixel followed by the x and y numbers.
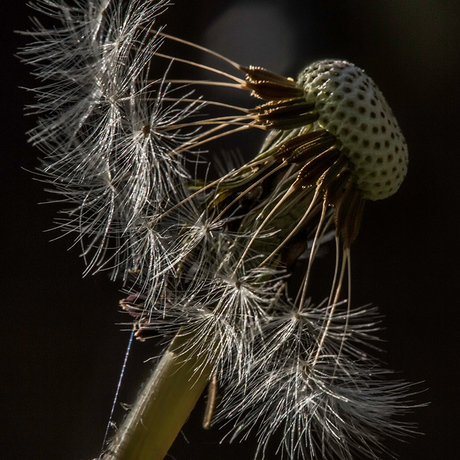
pixel 226 266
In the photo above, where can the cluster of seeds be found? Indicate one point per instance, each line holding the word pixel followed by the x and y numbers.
pixel 224 266
pixel 353 109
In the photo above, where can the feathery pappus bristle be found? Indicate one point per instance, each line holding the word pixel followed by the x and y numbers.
pixel 101 125
pixel 330 402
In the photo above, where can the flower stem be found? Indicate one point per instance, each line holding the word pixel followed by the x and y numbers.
pixel 163 406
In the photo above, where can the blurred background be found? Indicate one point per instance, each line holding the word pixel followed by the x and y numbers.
pixel 62 348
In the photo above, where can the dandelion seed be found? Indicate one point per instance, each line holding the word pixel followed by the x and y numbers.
pixel 94 105
pixel 334 406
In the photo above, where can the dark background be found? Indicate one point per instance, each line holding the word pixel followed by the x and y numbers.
pixel 61 347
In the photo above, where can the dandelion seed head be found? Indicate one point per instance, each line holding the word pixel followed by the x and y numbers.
pixel 225 265
pixel 353 109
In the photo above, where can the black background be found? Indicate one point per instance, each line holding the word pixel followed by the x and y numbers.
pixel 61 347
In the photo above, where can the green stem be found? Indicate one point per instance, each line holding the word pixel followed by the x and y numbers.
pixel 163 406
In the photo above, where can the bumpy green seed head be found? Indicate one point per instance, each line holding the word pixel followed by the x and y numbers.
pixel 353 109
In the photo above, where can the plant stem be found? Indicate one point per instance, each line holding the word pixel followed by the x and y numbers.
pixel 163 406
